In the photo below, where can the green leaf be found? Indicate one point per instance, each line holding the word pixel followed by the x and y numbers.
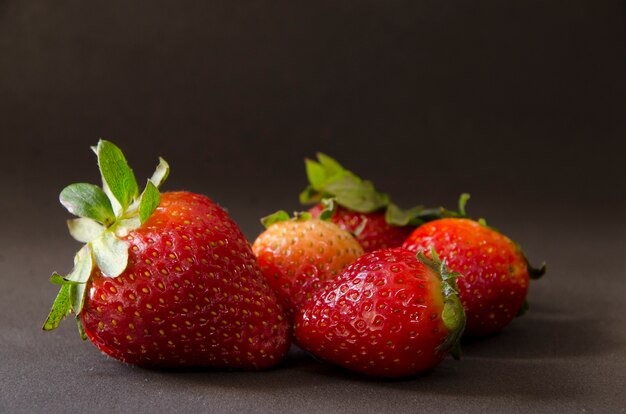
pixel 89 201
pixel 453 314
pixel 357 195
pixel 81 329
pixel 150 199
pixel 57 279
pixel 329 209
pixel 161 173
pixel 330 165
pixel 302 216
pixel 116 174
pixel 110 253
pixel 77 297
pixel 275 218
pixel 84 229
pixel 396 216
pixel 60 309
pixel 463 199
pixel 309 195
pixel 315 173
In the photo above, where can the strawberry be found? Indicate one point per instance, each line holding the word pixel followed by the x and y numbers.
pixel 496 271
pixel 389 314
pixel 297 256
pixel 374 220
pixel 371 230
pixel 165 279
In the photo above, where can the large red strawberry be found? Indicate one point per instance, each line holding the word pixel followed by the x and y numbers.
pixel 299 255
pixel 374 220
pixel 389 314
pixel 165 279
pixel 496 271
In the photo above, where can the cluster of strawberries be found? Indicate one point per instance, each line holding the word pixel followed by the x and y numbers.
pixel 170 280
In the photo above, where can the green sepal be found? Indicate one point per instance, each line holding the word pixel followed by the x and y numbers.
pixel 533 272
pixel 302 216
pixel 328 179
pixel 523 309
pixel 161 173
pixel 60 309
pixel 57 279
pixel 357 195
pixel 110 254
pixel 396 216
pixel 88 201
pixel 84 230
pixel 417 216
pixel 117 176
pixel 329 208
pixel 279 216
pixel 463 199
pixel 453 314
pixel 105 217
pixel 150 199
pixel 81 329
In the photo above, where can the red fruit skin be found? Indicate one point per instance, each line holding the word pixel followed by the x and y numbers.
pixel 377 233
pixel 191 295
pixel 381 317
pixel 494 280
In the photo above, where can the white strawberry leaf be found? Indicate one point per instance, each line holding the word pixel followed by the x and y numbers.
pixel 83 265
pixel 84 230
pixel 161 173
pixel 110 253
pixel 60 309
pixel 116 174
pixel 89 201
pixel 150 200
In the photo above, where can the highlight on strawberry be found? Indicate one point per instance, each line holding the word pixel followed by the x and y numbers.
pixel 391 313
pixel 164 279
pixel 299 255
pixel 496 270
pixel 370 215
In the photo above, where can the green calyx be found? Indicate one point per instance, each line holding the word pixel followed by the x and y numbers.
pixel 419 215
pixel 329 179
pixel 281 215
pixel 105 216
pixel 453 314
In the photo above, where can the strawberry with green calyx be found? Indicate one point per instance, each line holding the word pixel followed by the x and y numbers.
pixel 165 279
pixel 299 255
pixel 389 314
pixel 496 270
pixel 370 215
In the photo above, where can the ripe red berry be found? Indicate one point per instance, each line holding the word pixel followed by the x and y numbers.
pixel 495 271
pixel 165 279
pixel 389 314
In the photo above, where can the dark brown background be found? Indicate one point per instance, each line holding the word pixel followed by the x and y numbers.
pixel 521 103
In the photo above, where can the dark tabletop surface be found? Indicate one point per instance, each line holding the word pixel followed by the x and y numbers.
pixel 522 104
